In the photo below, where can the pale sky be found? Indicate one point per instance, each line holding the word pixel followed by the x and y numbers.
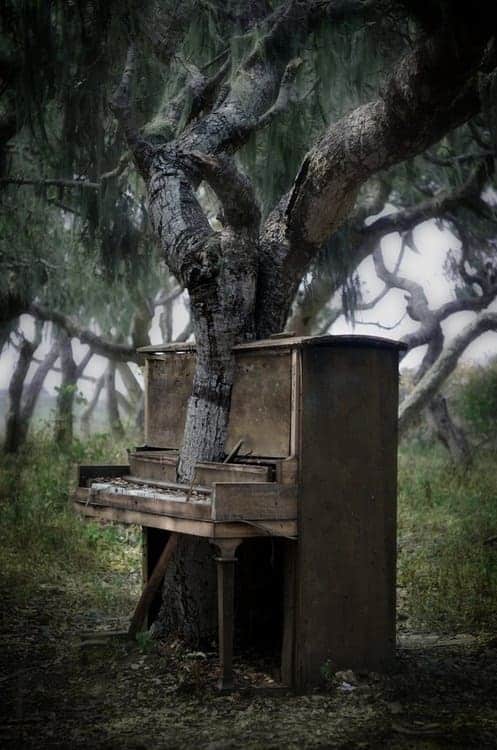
pixel 426 268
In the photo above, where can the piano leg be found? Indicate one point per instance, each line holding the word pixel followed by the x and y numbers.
pixel 225 606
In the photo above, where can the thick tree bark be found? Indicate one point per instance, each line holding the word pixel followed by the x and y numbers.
pixel 220 271
pixel 432 90
pixel 189 589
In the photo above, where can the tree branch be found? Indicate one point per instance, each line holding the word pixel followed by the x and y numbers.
pixel 87 185
pixel 441 369
pixel 118 352
pixel 439 205
pixel 431 91
pixel 233 188
pixel 120 105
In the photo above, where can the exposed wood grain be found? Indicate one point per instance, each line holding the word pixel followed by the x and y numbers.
pixel 260 402
pixel 155 505
pixel 159 465
pixel 169 387
pixel 207 529
pixel 287 471
pixel 140 614
pixel 264 500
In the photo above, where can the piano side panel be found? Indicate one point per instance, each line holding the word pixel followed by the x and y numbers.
pixel 347 511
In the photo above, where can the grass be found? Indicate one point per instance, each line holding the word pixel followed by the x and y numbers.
pixel 43 540
pixel 447 561
pixel 447 518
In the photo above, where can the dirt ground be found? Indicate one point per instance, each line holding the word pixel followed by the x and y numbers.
pixel 64 684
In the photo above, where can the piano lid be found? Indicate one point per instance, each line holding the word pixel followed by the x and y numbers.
pixel 280 341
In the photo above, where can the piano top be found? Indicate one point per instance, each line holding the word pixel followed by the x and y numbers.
pixel 288 342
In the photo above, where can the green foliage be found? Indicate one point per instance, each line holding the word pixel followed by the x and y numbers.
pixel 447 562
pixel 39 530
pixel 476 400
pixel 342 67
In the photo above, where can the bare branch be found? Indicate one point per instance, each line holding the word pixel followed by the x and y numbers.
pixel 377 324
pixel 85 184
pixel 118 352
pixel 86 415
pixel 165 298
pixel 233 188
pixel 81 367
pixel 443 366
pixel 123 111
pixel 33 389
pixel 439 205
pixel 286 94
pixel 185 334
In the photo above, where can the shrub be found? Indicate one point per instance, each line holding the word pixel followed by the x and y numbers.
pixel 476 400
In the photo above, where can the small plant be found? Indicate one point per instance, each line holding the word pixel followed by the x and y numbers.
pixel 328 673
pixel 145 641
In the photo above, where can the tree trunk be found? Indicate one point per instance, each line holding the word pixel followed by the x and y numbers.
pixel 115 423
pixel 63 433
pixel 14 431
pixel 188 606
pixel 135 394
pixel 88 412
pixel 222 315
pixel 450 434
pixel 33 390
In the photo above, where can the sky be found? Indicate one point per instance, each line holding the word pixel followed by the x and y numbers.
pixel 427 268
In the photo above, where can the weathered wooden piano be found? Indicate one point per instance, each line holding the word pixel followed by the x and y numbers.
pixel 316 468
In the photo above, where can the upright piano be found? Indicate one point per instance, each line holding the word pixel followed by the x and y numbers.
pixel 311 459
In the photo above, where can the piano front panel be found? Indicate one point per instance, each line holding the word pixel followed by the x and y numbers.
pixel 261 404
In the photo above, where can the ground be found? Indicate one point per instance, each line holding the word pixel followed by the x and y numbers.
pixel 66 584
pixel 64 685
